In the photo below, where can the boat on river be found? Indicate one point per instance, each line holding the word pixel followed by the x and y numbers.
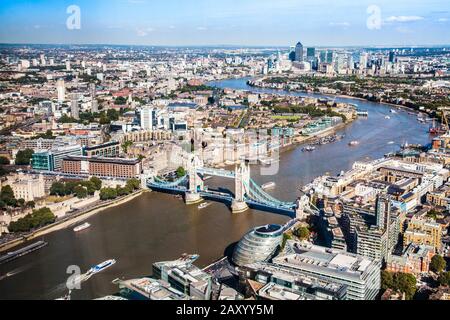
pixel 268 185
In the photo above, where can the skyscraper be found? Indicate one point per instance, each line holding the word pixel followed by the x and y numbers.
pixel 61 90
pixel 330 56
pixel 310 54
pixel 74 108
pixel 392 56
pixel 299 52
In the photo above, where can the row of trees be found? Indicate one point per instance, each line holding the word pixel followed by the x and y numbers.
pixel 81 189
pixel 37 219
pixel 113 193
pixel 309 110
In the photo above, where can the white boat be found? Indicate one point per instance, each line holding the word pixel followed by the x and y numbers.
pixel 353 143
pixel 81 227
pixel 387 117
pixel 100 267
pixel 393 111
pixel 391 142
pixel 204 205
pixel 268 185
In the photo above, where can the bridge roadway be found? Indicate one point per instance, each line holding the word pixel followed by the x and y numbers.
pixel 224 198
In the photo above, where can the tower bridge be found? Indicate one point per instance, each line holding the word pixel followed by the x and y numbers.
pixel 248 194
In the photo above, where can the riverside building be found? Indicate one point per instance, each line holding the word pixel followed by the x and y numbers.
pixel 360 274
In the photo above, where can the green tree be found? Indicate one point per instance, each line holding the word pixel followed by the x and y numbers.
pixel 23 157
pixel 181 172
pixel 21 202
pixel 126 145
pixel 302 233
pixel 38 218
pixel 286 237
pixel 30 204
pixel 90 187
pixel 405 282
pixel 112 114
pixel 7 196
pixel 97 183
pixel 133 184
pixel 58 189
pixel 69 187
pixel 444 279
pixel 387 280
pixel 80 192
pixel 108 193
pixel 437 264
pixel 4 160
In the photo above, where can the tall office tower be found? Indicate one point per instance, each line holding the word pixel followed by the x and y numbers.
pixel 323 56
pixel 330 56
pixel 149 119
pixel 42 58
pixel 92 91
pixel 310 54
pixel 392 56
pixel 382 211
pixel 61 89
pixel 363 60
pixel 74 107
pixel 292 54
pixel 68 67
pixel 299 52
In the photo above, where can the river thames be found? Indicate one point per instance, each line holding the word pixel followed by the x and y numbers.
pixel 157 227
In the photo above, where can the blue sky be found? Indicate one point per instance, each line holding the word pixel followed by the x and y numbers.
pixel 228 22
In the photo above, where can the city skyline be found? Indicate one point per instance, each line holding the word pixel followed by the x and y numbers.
pixel 233 23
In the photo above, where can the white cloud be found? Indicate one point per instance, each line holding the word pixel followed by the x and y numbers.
pixel 442 19
pixel 404 18
pixel 144 32
pixel 202 28
pixel 339 24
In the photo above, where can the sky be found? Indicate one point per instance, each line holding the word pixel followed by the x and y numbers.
pixel 227 22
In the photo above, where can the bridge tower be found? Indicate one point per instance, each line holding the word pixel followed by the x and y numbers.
pixel 242 181
pixel 195 182
pixel 303 207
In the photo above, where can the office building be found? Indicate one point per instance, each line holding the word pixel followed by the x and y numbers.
pixel 361 275
pixel 61 90
pixel 310 55
pixel 423 231
pixel 299 52
pixel 267 281
pixel 74 106
pixel 102 167
pixel 52 160
pixel 260 244
pixel 106 150
pixel 415 259
pixel 185 277
pixel 149 289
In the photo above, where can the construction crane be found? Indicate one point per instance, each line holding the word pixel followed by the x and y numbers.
pixel 444 111
pixel 444 127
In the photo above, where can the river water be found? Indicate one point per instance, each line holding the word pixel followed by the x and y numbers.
pixel 158 227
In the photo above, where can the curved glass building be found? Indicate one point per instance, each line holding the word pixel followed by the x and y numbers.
pixel 258 245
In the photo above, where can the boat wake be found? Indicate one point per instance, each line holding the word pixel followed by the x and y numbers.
pixel 14 272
